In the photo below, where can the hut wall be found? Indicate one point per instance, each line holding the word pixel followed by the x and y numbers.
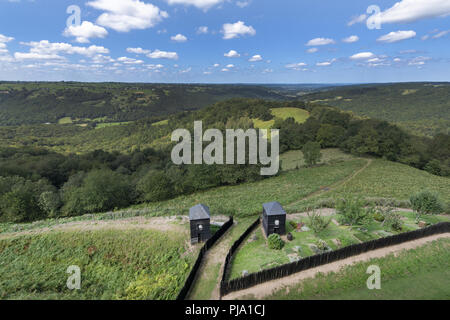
pixel 205 234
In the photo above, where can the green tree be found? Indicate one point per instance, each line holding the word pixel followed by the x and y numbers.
pixel 311 153
pixel 50 202
pixel 155 186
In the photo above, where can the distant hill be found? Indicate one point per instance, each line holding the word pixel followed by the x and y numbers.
pixel 421 108
pixel 71 102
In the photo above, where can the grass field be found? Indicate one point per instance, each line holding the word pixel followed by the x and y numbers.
pixel 65 120
pixel 299 115
pixel 111 124
pixel 421 273
pixel 255 255
pixel 384 179
pixel 115 264
pixel 294 159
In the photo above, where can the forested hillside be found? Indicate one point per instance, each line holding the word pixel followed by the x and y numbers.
pixel 66 170
pixel 90 103
pixel 421 108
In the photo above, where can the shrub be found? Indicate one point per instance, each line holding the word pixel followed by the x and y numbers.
pixel 351 211
pixel 275 242
pixel 393 221
pixel 293 224
pixel 316 222
pixel 321 244
pixel 378 216
pixel 426 202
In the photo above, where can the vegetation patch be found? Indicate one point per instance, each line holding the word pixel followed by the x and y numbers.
pixel 115 264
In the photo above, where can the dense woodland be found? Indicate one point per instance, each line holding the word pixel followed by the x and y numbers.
pixel 66 170
pixel 38 103
pixel 419 108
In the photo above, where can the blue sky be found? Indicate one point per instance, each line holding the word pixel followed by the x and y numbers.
pixel 226 41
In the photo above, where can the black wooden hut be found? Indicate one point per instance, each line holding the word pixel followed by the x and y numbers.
pixel 274 218
pixel 199 217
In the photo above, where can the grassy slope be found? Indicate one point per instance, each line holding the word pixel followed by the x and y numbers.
pixel 422 273
pixel 299 115
pixel 115 264
pixel 294 159
pixel 386 179
pixel 246 199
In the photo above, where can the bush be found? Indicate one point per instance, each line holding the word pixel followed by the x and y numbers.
pixel 321 245
pixel 293 224
pixel 426 202
pixel 378 216
pixel 316 222
pixel 275 242
pixel 393 221
pixel 351 211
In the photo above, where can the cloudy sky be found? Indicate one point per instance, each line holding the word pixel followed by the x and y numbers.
pixel 223 41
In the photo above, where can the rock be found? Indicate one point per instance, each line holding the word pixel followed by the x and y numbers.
pixel 422 224
pixel 293 257
pixel 337 242
pixel 245 273
pixel 305 228
pixel 290 237
pixel 314 248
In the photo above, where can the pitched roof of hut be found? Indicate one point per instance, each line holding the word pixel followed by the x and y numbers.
pixel 199 212
pixel 273 209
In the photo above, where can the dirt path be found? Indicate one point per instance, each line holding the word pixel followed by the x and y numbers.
pixel 334 185
pixel 153 223
pixel 267 288
pixel 207 284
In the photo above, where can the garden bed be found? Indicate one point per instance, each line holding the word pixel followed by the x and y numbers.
pixel 254 255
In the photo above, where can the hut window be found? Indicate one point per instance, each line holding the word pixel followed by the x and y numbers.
pixel 277 222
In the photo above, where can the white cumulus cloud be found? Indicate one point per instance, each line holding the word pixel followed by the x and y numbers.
pixel 158 54
pixel 396 36
pixel 362 56
pixel 179 38
pixel 138 50
pixel 201 4
pixel 232 54
pixel 45 49
pixel 255 58
pixel 413 10
pixel 85 31
pixel 203 30
pixel 236 30
pixel 351 39
pixel 126 15
pixel 320 42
